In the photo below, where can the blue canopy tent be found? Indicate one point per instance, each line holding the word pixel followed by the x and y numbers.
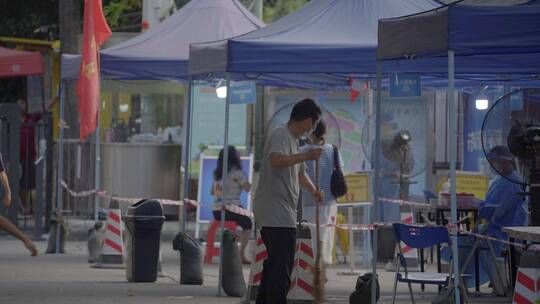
pixel 325 43
pixel 162 52
pixel 318 46
pixel 491 40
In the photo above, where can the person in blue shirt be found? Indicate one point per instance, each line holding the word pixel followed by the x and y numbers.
pixel 510 207
pixel 504 206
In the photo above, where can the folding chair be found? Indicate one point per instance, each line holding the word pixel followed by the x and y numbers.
pixel 428 195
pixel 421 237
pixel 486 215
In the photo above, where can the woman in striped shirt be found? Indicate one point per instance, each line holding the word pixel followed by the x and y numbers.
pixel 328 207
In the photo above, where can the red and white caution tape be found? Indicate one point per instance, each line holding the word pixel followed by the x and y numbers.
pixel 403 202
pixel 78 194
pixel 452 228
pixel 535 248
pixel 104 195
pixel 354 227
pixel 191 202
pixel 231 207
pixel 238 210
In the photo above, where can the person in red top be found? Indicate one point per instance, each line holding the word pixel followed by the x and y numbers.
pixel 28 151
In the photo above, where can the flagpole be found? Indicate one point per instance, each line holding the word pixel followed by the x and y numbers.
pixel 97 180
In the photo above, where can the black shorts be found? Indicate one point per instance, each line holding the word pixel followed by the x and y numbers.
pixel 241 220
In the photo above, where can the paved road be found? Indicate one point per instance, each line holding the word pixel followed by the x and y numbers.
pixel 63 279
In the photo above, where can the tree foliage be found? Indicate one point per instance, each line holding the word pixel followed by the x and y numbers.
pixel 39 18
pixel 123 15
pixel 275 9
pixel 36 19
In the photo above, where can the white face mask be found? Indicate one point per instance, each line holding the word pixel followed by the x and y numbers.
pixel 307 133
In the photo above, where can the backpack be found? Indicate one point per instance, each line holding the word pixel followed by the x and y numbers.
pixel 338 185
pixel 362 291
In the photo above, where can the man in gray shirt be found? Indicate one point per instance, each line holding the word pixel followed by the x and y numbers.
pixel 274 204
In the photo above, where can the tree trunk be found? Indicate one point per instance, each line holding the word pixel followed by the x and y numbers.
pixel 70 29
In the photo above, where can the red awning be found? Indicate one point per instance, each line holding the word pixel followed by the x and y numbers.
pixel 19 63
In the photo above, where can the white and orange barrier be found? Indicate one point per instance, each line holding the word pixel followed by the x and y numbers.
pixel 255 275
pixel 302 289
pixel 527 289
pixel 113 246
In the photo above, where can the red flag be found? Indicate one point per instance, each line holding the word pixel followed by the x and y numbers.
pixel 95 32
pixel 357 88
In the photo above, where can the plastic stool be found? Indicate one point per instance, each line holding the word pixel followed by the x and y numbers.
pixel 212 251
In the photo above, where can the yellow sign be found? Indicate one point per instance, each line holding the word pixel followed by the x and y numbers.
pixel 467 182
pixel 358 186
pixel 476 184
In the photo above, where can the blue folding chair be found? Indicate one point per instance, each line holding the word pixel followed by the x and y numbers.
pixel 420 237
pixel 428 195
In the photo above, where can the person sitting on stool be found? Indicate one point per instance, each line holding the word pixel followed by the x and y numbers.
pixel 237 182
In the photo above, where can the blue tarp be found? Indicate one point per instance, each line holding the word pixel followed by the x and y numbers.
pixel 162 52
pixel 325 36
pixel 487 40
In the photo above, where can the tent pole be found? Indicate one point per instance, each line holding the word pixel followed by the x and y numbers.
pixel 60 172
pixel 376 170
pixel 453 156
pixel 186 146
pixel 224 179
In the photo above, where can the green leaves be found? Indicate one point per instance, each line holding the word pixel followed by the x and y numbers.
pixel 123 14
pixel 275 9
pixel 36 19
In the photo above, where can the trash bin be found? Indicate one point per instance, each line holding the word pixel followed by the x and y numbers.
pixel 144 220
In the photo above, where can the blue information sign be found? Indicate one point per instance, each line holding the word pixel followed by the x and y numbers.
pixel 405 85
pixel 243 92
